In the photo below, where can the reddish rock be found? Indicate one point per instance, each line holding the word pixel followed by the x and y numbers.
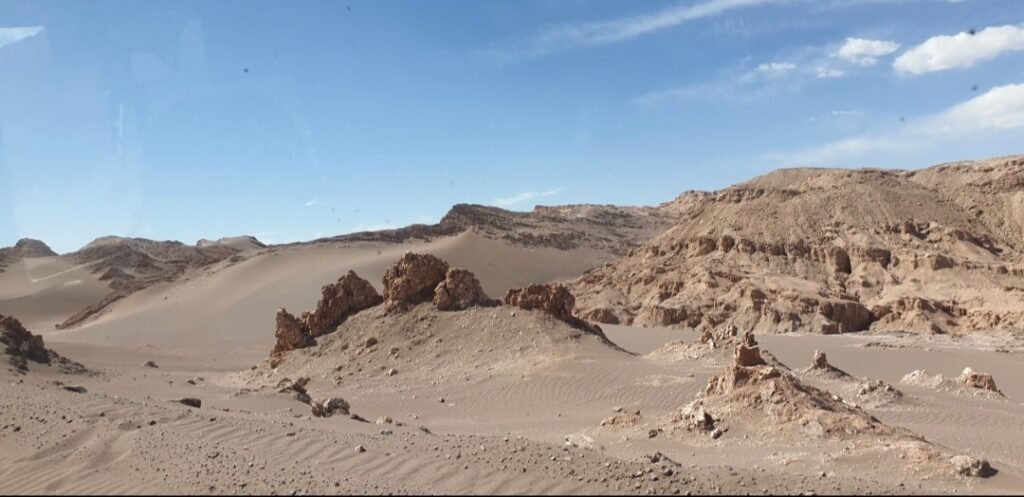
pixel 349 295
pixel 459 290
pixel 412 279
pixel 291 334
pixel 552 298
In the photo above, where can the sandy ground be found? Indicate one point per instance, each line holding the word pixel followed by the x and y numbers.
pixel 527 430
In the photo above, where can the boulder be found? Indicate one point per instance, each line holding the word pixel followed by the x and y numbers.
pixel 325 408
pixel 349 295
pixel 973 379
pixel 411 280
pixel 458 291
pixel 964 465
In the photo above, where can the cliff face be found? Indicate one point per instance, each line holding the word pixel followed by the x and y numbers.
pixel 830 251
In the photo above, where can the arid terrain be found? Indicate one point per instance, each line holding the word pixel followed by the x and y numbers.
pixel 808 331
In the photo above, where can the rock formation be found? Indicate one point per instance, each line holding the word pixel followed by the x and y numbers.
pixel 830 251
pixel 459 290
pixel 411 280
pixel 290 334
pixel 20 345
pixel 554 299
pixel 339 300
pixel 349 295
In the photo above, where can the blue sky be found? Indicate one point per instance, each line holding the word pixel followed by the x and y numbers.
pixel 293 120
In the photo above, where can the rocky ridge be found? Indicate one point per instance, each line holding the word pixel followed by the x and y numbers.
pixel 830 251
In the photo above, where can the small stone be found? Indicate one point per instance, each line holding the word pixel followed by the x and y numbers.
pixel 191 402
pixel 360 449
pixel 150 364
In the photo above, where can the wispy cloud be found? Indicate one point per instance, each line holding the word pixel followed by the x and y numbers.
pixel 10 36
pixel 999 109
pixel 523 197
pixel 563 37
pixel 865 52
pixel 962 50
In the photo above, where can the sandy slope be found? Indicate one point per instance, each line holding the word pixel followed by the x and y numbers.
pixel 497 432
pixel 228 314
pixel 44 291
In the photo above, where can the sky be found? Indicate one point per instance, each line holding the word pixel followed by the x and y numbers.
pixel 292 120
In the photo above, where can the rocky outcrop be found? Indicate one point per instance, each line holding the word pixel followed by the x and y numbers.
pixel 459 290
pixel 554 299
pixel 339 300
pixel 20 345
pixel 349 295
pixel 290 333
pixel 411 280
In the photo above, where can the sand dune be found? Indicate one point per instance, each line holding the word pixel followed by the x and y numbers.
pixel 228 314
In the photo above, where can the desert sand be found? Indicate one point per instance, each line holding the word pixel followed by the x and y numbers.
pixel 477 389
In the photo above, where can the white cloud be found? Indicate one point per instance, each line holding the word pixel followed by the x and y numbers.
pixel 523 197
pixel 999 109
pixel 865 52
pixel 828 73
pixel 940 53
pixel 10 36
pixel 775 69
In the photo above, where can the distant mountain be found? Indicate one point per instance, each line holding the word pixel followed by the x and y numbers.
pixel 604 227
pixel 24 248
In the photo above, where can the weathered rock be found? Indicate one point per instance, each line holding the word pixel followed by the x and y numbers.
pixel 325 408
pixel 459 290
pixel 411 280
pixel 291 333
pixel 339 300
pixel 553 299
pixel 694 417
pixel 964 465
pixel 20 345
pixel 974 379
pixel 820 361
pixel 75 388
pixel 150 364
pixel 747 356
